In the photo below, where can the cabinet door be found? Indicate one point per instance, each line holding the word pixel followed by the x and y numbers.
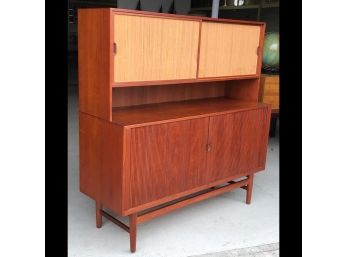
pixel 228 49
pixel 238 143
pixel 167 159
pixel 150 48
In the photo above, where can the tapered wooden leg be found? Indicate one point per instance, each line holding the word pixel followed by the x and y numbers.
pixel 249 188
pixel 133 232
pixel 98 209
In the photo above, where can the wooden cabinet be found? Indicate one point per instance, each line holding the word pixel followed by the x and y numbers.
pixel 228 49
pixel 169 114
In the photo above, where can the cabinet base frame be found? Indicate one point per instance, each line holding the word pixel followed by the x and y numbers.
pixel 147 215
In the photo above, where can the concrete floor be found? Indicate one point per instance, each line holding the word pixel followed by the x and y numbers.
pixel 213 227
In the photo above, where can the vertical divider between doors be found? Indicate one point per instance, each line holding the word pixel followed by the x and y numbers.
pixel 207 142
pixel 111 58
pixel 199 47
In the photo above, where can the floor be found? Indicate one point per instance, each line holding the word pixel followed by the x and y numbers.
pixel 221 226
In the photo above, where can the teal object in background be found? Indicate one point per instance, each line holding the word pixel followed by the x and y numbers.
pixel 270 59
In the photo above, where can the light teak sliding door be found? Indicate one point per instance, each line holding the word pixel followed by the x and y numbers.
pixel 228 49
pixel 150 48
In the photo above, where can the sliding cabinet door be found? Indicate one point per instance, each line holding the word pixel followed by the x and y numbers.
pixel 228 49
pixel 152 49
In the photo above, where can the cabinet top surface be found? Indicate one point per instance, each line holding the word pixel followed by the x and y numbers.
pixel 173 16
pixel 149 114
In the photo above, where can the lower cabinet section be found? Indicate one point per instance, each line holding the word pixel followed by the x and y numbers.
pixel 130 169
pixel 146 170
pixel 170 158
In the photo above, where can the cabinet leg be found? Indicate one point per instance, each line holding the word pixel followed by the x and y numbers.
pixel 273 127
pixel 133 232
pixel 249 188
pixel 98 209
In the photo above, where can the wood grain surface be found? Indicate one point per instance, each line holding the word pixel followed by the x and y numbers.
pixel 228 49
pixel 247 90
pixel 129 96
pixel 154 49
pixel 167 159
pixel 101 161
pixel 269 91
pixel 150 114
pixel 242 147
pixel 94 62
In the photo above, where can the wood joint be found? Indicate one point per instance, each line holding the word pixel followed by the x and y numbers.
pixel 115 221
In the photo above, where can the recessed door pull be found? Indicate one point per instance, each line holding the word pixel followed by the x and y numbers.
pixel 115 48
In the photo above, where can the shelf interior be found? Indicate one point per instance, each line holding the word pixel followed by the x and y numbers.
pixel 160 112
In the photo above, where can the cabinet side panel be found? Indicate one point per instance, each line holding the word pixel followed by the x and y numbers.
pixel 101 161
pixel 265 117
pixel 94 62
pixel 90 149
pixel 252 140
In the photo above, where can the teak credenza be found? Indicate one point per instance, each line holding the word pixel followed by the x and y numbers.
pixel 169 111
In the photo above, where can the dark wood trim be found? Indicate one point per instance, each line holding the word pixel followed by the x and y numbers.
pixel 133 232
pixel 98 213
pixel 177 81
pixel 249 188
pixel 114 220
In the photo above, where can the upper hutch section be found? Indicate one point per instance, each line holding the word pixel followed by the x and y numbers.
pixel 124 48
